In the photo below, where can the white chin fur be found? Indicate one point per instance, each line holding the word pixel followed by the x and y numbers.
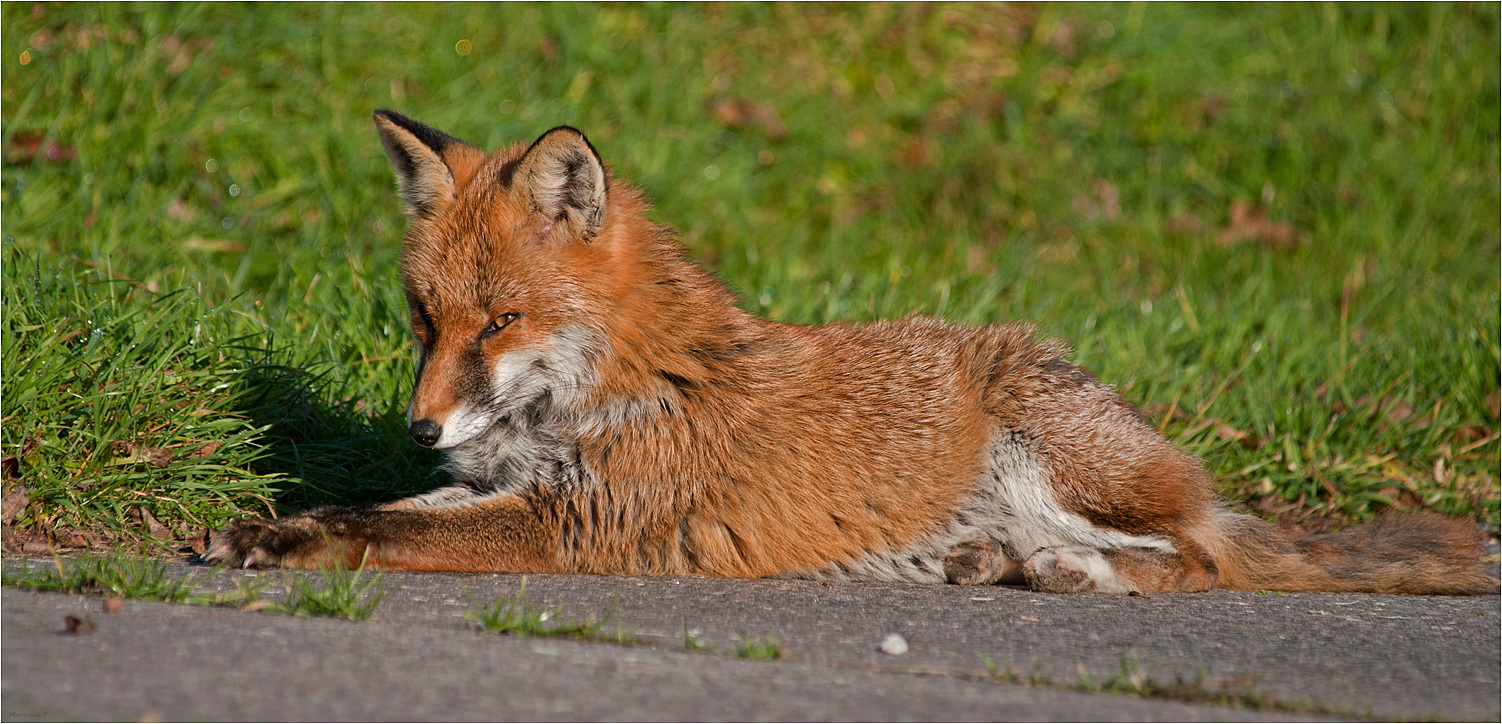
pixel 462 426
pixel 519 377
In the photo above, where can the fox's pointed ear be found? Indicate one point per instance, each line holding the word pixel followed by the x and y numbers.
pixel 416 152
pixel 565 180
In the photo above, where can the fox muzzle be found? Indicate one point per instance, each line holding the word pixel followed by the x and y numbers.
pixel 426 432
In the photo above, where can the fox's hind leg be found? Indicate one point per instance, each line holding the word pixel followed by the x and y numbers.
pixel 981 563
pixel 1076 569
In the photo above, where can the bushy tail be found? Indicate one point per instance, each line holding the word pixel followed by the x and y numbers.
pixel 1397 553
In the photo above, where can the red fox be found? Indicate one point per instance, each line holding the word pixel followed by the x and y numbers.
pixel 606 408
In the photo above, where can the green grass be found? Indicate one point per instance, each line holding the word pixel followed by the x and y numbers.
pixel 123 576
pixel 338 593
pixel 202 316
pixel 516 616
pixel 691 642
pixel 763 648
pixel 1130 681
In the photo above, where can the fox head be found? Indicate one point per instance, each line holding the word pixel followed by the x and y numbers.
pixel 501 265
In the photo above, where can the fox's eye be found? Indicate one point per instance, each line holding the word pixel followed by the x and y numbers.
pixel 422 326
pixel 499 324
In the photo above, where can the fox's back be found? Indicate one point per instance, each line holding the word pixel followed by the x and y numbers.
pixel 812 443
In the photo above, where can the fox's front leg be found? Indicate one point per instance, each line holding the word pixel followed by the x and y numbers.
pixel 500 535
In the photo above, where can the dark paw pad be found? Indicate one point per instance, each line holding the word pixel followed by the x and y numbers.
pixel 978 563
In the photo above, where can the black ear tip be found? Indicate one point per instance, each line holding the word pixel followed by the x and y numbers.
pixel 429 136
pixel 569 131
pixel 395 118
pixel 563 130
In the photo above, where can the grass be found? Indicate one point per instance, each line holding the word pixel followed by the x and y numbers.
pixel 1271 226
pixel 763 648
pixel 1131 682
pixel 119 575
pixel 516 616
pixel 691 642
pixel 338 593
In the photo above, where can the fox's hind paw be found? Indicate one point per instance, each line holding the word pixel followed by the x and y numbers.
pixel 1067 570
pixel 295 542
pixel 980 563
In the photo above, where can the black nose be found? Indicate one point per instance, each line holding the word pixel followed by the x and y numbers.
pixel 426 432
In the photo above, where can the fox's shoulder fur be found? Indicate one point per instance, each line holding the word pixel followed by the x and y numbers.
pixel 606 408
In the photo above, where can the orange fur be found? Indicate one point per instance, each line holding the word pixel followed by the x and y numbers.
pixel 608 409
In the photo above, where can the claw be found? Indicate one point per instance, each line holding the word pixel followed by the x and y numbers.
pixel 217 551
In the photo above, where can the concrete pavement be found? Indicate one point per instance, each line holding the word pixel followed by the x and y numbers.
pixel 1358 655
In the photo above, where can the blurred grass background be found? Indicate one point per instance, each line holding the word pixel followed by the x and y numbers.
pixel 1273 226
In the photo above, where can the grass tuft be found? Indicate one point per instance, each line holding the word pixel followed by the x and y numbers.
pixel 763 648
pixel 1130 681
pixel 691 642
pixel 339 593
pixel 120 575
pixel 516 616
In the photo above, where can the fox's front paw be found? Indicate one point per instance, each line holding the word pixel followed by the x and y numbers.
pixel 295 542
pixel 1066 570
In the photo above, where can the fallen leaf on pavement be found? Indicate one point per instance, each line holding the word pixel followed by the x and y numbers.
pixel 78 626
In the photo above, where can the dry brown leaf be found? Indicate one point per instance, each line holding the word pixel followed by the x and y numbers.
pixel 156 457
pixel 1250 223
pixel 78 626
pixel 143 517
pixel 205 451
pixel 154 527
pixel 1062 37
pixel 1186 224
pixel 12 505
pixel 9 541
pixel 1226 432
pixel 1397 410
pixel 135 452
pixel 177 209
pixel 914 153
pixel 743 113
pixel 183 52
pixel 1467 434
pixel 200 541
pixel 548 47
pixel 26 146
pixel 1110 198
